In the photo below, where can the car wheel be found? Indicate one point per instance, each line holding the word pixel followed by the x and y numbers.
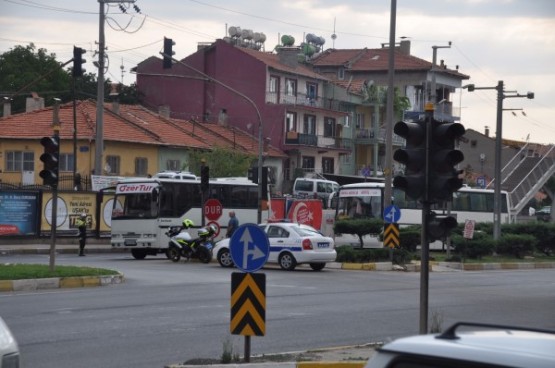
pixel 224 258
pixel 317 266
pixel 287 261
pixel 138 253
pixel 174 254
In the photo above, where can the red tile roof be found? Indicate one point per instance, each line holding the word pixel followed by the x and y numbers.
pixel 374 60
pixel 133 124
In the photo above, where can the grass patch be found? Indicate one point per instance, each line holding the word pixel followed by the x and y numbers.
pixel 35 271
pixel 442 256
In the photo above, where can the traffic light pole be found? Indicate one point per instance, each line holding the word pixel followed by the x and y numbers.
pixel 424 239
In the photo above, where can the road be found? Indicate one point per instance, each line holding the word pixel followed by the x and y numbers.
pixel 168 313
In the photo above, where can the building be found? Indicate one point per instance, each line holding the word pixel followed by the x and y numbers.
pixel 250 89
pixel 137 142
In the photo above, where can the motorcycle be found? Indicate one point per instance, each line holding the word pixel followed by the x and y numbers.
pixel 182 245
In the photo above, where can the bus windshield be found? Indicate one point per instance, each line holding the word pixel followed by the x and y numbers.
pixel 136 201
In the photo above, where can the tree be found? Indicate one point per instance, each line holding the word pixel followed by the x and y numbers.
pixel 359 227
pixel 21 70
pixel 25 69
pixel 223 162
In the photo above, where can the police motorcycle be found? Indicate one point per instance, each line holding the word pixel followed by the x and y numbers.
pixel 183 245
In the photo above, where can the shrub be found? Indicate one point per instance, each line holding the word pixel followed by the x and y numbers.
pixel 517 245
pixel 481 245
pixel 544 233
pixel 348 254
pixel 409 238
pixel 359 227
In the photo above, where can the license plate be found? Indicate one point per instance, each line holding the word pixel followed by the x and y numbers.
pixel 323 245
pixel 130 242
pixel 208 246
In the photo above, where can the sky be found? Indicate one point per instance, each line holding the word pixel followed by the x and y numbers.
pixel 492 40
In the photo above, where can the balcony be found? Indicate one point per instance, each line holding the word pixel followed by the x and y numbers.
pixel 367 136
pixel 317 141
pixel 299 99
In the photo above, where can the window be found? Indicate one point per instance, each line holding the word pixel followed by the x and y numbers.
pixel 173 165
pixel 311 91
pixel 309 125
pixel 290 87
pixel 20 161
pixel 341 73
pixel 291 121
pixel 141 166
pixel 112 165
pixel 274 84
pixel 359 120
pixel 308 162
pixel 327 165
pixel 66 162
pixel 329 127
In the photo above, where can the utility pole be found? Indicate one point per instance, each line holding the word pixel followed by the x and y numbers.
pixel 388 172
pixel 99 141
pixel 501 95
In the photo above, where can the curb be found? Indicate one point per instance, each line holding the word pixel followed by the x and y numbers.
pixel 60 282
pixel 341 364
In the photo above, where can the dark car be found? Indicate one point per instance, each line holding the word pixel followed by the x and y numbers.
pixel 544 214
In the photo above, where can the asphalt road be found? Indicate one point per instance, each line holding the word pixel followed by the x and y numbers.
pixel 167 313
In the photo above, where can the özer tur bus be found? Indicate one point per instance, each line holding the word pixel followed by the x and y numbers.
pixel 144 209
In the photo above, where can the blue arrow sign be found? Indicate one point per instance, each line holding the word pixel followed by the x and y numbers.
pixel 249 247
pixel 391 214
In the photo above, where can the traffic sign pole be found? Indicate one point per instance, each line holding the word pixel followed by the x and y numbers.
pixel 250 248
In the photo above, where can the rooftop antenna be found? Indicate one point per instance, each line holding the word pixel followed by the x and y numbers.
pixel 333 36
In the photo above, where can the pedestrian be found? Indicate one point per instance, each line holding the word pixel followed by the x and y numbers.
pixel 232 225
pixel 82 226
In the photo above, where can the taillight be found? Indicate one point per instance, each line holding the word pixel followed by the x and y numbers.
pixel 307 244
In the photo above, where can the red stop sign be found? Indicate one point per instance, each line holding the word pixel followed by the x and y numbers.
pixel 212 209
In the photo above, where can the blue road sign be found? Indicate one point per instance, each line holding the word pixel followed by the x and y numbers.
pixel 249 247
pixel 481 181
pixel 391 214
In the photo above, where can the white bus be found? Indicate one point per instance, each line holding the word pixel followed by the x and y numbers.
pixel 365 200
pixel 144 209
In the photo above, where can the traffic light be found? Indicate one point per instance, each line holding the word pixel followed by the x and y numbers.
pixel 252 174
pixel 204 177
pixel 444 178
pixel 413 156
pixel 50 157
pixel 439 227
pixel 78 61
pixel 168 53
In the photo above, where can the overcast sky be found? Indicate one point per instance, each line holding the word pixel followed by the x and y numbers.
pixel 492 40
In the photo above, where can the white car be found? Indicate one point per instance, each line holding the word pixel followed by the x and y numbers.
pixel 470 345
pixel 9 351
pixel 290 244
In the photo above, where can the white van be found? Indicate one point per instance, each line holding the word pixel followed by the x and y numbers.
pixel 312 188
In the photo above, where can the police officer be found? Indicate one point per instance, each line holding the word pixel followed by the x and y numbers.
pixel 82 226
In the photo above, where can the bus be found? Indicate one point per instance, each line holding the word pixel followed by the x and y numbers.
pixel 144 209
pixel 365 200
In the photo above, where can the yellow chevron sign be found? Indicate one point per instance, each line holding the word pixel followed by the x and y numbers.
pixel 248 304
pixel 391 235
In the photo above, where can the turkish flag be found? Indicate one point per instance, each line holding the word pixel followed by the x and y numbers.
pixel 306 211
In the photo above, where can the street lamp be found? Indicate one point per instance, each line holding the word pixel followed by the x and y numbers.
pixel 501 95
